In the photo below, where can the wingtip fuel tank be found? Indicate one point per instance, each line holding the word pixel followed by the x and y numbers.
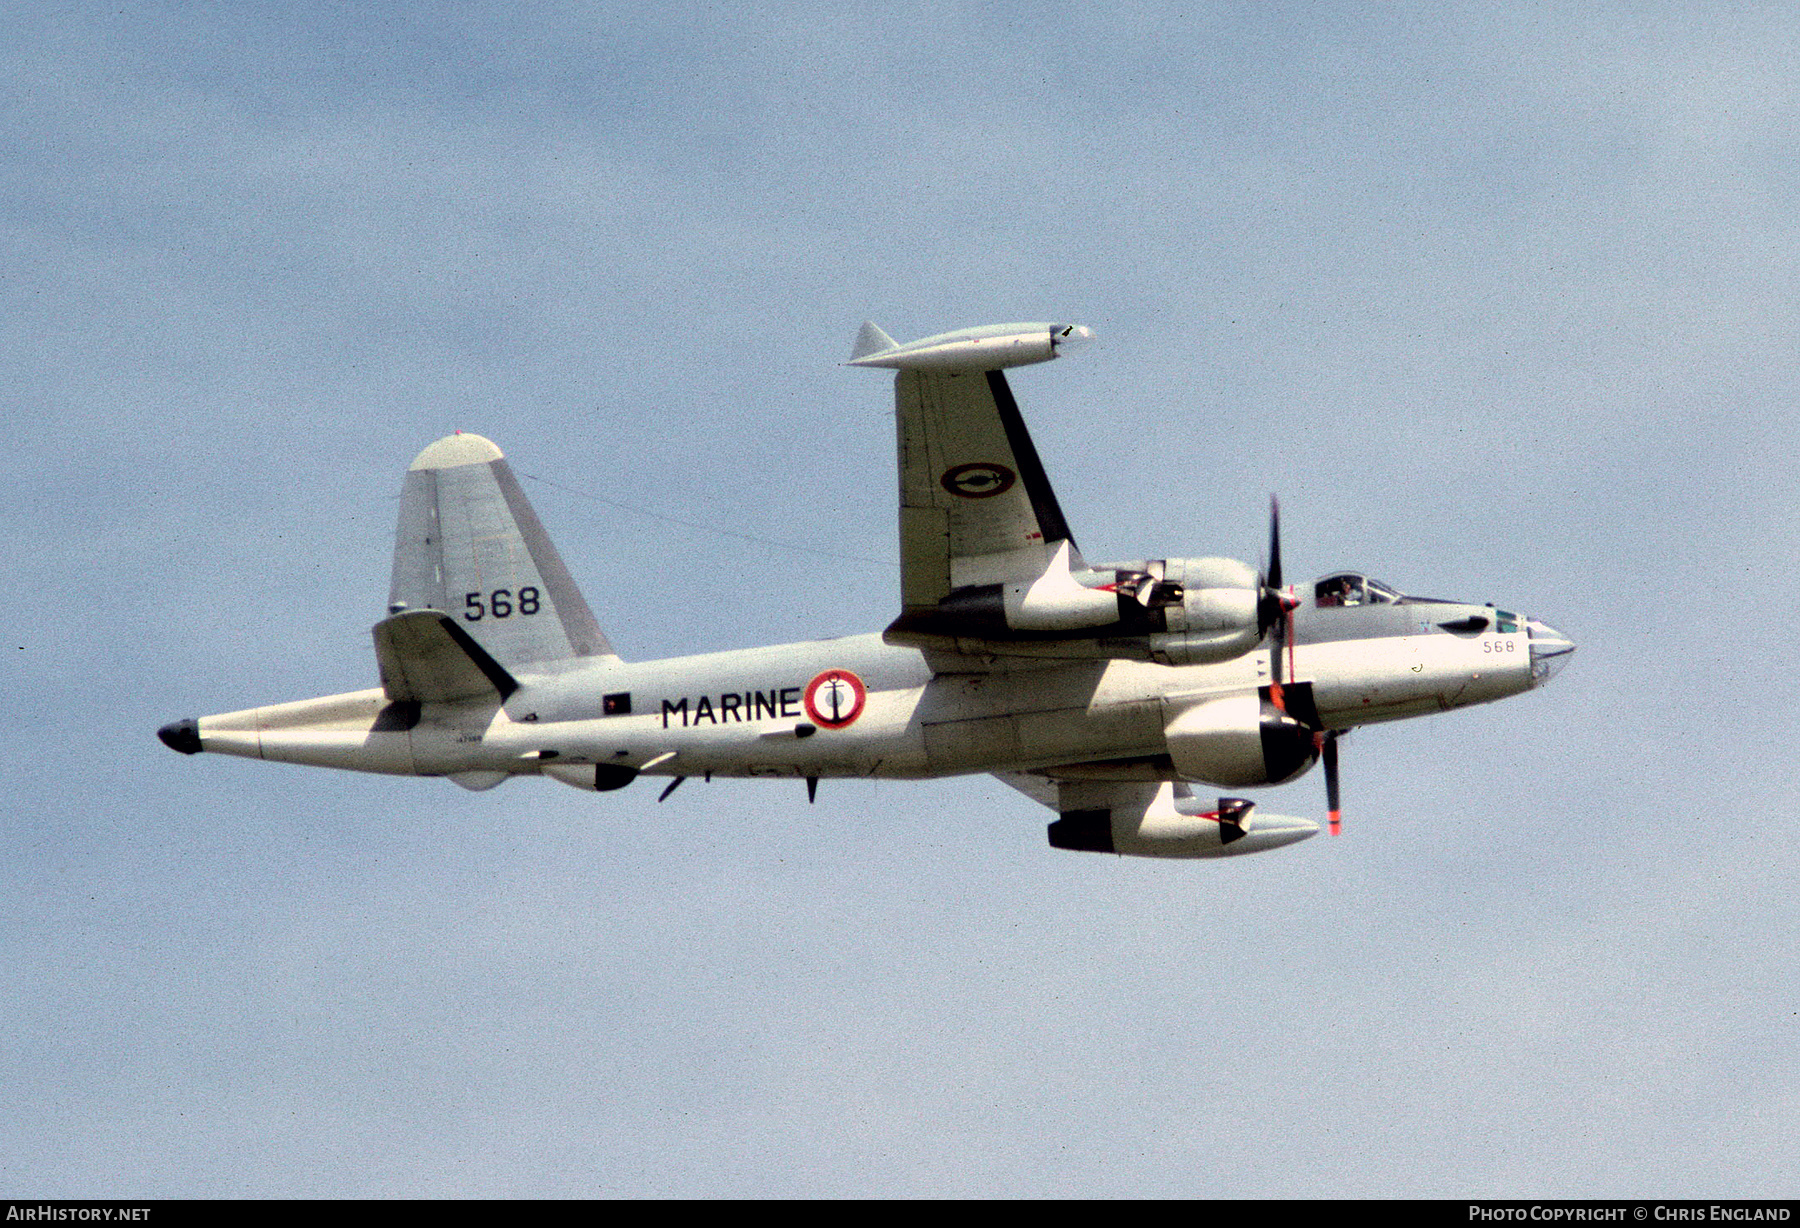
pixel 991 347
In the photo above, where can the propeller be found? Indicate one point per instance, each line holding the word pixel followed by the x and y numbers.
pixel 1275 606
pixel 1275 616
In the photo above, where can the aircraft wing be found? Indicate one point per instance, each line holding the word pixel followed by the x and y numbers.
pixel 987 561
pixel 989 569
pixel 976 506
pixel 1035 785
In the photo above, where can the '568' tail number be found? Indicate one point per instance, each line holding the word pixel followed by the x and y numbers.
pixel 499 604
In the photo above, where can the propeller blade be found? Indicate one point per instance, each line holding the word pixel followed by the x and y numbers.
pixel 1277 650
pixel 1275 608
pixel 1273 580
pixel 1332 799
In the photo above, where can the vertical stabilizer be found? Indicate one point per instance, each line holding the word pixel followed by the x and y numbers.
pixel 469 544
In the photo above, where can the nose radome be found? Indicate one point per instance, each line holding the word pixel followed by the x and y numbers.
pixel 1550 650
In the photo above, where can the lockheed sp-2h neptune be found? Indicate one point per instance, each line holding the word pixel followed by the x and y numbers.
pixel 1104 691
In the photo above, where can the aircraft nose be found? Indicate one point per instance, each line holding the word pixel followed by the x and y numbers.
pixel 1550 650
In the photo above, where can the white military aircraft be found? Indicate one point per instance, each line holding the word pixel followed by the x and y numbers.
pixel 1103 691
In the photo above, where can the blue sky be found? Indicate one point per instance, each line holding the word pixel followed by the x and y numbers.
pixel 1498 298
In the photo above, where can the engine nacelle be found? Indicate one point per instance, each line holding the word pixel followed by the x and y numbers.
pixel 1216 618
pixel 1173 611
pixel 1059 601
pixel 1239 740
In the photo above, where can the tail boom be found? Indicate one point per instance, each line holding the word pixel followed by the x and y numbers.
pixel 360 731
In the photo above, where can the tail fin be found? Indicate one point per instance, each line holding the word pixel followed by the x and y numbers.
pixel 469 545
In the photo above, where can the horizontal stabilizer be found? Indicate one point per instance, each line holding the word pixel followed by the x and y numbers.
pixel 426 658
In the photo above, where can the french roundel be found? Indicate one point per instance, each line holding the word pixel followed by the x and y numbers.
pixel 835 698
pixel 978 480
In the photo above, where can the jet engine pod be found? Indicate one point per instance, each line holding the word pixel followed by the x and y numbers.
pixel 1174 824
pixel 1239 740
pixel 1216 618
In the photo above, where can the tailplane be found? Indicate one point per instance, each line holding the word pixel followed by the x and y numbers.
pixel 469 545
pixel 425 657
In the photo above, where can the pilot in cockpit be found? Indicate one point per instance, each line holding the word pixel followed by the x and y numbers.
pixel 1338 591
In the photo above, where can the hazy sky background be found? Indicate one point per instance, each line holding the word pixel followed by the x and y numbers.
pixel 1501 299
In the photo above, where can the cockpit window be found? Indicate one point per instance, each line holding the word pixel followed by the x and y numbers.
pixel 1339 590
pixel 1347 588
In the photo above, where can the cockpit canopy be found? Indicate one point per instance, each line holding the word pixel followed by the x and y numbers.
pixel 1350 588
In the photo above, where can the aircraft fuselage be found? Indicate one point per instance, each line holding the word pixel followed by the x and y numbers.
pixel 858 707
